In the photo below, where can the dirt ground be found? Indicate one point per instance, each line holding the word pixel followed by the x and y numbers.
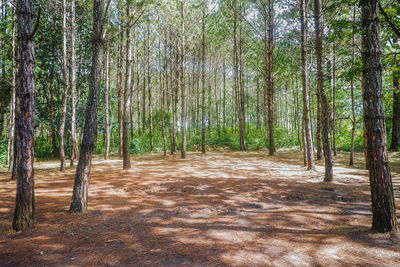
pixel 222 209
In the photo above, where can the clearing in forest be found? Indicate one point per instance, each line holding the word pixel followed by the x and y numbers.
pixel 222 209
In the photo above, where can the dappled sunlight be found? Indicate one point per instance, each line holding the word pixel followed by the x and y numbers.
pixel 233 209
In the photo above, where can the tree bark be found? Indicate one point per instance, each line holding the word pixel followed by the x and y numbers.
pixel 127 96
pixel 106 100
pixel 120 78
pixel 319 33
pixel 182 82
pixel 65 88
pixel 353 110
pixel 306 108
pixel 382 196
pixel 25 199
pixel 395 144
pixel 270 77
pixel 74 142
pixel 79 201
pixel 203 78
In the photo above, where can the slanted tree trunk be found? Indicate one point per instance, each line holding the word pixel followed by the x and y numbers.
pixel 127 96
pixel 382 196
pixel 65 88
pixel 325 116
pixel 306 108
pixel 74 142
pixel 79 201
pixel 25 199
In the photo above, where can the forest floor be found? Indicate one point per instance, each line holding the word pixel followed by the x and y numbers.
pixel 222 209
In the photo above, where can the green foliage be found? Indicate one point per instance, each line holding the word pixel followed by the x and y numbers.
pixel 134 146
pixel 3 152
pixel 43 148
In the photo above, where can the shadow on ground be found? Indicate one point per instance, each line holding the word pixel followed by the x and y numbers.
pixel 223 209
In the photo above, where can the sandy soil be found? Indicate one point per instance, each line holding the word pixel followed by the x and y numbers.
pixel 223 209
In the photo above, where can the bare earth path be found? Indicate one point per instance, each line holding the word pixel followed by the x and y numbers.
pixel 223 209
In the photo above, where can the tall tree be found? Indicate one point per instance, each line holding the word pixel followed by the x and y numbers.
pixel 325 116
pixel 308 145
pixel 382 197
pixel 74 141
pixel 182 80
pixel 81 185
pixel 65 88
pixel 127 96
pixel 25 199
pixel 203 77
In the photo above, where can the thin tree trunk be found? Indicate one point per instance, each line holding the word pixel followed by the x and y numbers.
pixel 334 98
pixel 74 141
pixel 319 33
pixel 127 96
pixel 382 196
pixel 182 82
pixel 10 154
pixel 25 199
pixel 79 201
pixel 65 89
pixel 149 85
pixel 395 144
pixel 270 77
pixel 106 100
pixel 353 110
pixel 120 77
pixel 309 147
pixel 203 79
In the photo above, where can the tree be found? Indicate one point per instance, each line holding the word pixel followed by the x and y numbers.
pixel 25 200
pixel 81 184
pixel 308 145
pixel 382 197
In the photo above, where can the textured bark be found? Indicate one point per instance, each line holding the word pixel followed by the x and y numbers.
pixel 308 146
pixel 270 77
pixel 182 81
pixel 65 88
pixel 353 110
pixel 319 33
pixel 126 160
pixel 149 88
pixel 11 129
pixel 382 196
pixel 25 199
pixel 81 185
pixel 334 98
pixel 120 78
pixel 203 79
pixel 3 70
pixel 106 100
pixel 395 144
pixel 74 142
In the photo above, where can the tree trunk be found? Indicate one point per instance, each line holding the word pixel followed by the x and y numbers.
pixel 11 131
pixel 25 199
pixel 182 82
pixel 203 78
pixel 334 98
pixel 319 33
pixel 270 77
pixel 382 196
pixel 309 147
pixel 353 110
pixel 149 86
pixel 106 100
pixel 120 77
pixel 81 185
pixel 127 96
pixel 394 145
pixel 65 88
pixel 74 142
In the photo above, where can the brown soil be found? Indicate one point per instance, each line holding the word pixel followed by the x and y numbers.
pixel 223 209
